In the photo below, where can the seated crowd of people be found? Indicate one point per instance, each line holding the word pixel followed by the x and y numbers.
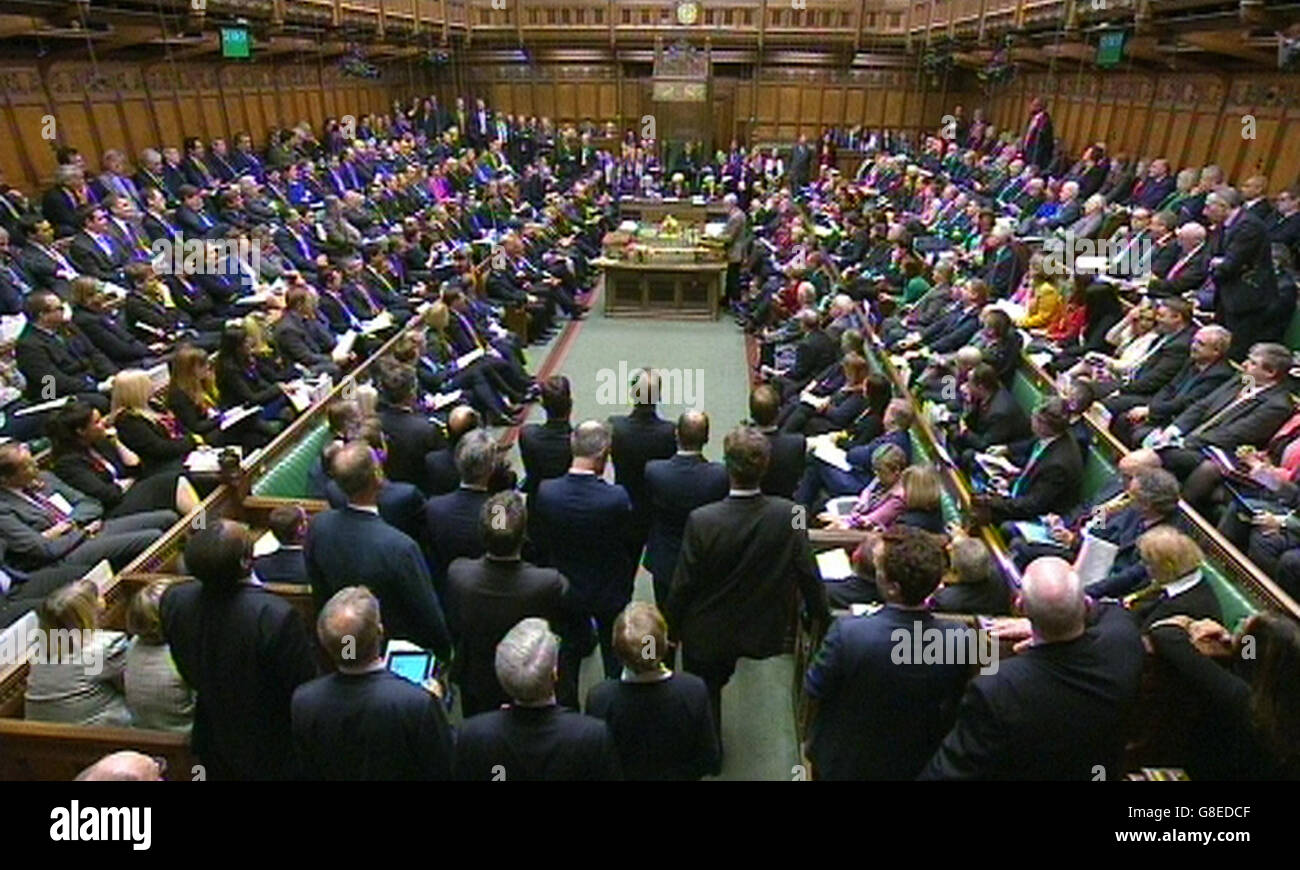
pixel 902 301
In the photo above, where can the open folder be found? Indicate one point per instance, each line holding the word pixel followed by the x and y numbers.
pixel 1095 559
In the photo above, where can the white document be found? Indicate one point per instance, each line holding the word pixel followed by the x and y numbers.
pixel 158 376
pixel 834 456
pixel 834 564
pixel 467 359
pixel 43 406
pixel 266 545
pixel 377 324
pixel 234 415
pixel 61 503
pixel 1095 559
pixel 442 400
pixel 344 346
pixel 101 575
pixel 996 464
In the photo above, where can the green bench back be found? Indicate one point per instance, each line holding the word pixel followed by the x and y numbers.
pixel 288 477
pixel 1097 472
pixel 1028 394
pixel 1235 606
pixel 1292 337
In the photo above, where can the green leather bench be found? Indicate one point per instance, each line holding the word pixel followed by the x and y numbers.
pixel 288 477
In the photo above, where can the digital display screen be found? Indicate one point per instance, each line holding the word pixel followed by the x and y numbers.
pixel 413 666
pixel 235 42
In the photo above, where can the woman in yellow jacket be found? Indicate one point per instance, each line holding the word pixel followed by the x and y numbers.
pixel 1044 301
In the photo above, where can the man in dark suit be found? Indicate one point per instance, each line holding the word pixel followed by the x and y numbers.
pixel 1049 481
pixel 296 240
pixel 286 565
pixel 1075 673
pixel 1204 371
pixel 1188 270
pixel 487 596
pixel 363 722
pixel 786 450
pixel 440 473
pixel 637 438
pixel 585 522
pixel 353 545
pixel 1039 142
pixel 1284 225
pixel 63 202
pixel 674 488
pixel 992 416
pixel 1242 269
pixel 52 366
pixel 544 447
pixel 243 650
pixel 1246 410
pixel 193 217
pixel 1166 357
pixel 1149 192
pixel 452 520
pixel 866 699
pixel 46 266
pixel 533 739
pixel 742 560
pixel 94 250
pixel 660 720
pixel 410 433
pixel 801 161
pixel 301 337
pixel 814 352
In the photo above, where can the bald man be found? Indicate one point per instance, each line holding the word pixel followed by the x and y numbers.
pixel 1056 709
pixel 124 766
pixel 675 487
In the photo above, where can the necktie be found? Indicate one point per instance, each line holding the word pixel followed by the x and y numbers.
pixel 1024 475
pixel 54 512
pixel 17 280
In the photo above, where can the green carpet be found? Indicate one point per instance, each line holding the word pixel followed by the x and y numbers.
pixel 708 364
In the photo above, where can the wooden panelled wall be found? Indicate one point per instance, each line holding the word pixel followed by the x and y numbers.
pixel 132 107
pixel 778 107
pixel 1190 119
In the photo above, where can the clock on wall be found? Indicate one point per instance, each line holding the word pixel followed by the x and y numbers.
pixel 688 12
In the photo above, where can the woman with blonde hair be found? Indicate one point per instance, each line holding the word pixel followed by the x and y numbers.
pixel 75 674
pixel 156 694
pixel 156 437
pixel 1177 588
pixel 438 372
pixel 922 499
pixel 1040 296
pixel 881 502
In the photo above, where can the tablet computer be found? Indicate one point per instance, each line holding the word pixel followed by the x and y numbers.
pixel 409 662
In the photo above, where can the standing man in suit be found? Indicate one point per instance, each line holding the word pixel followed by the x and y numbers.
pixel 735 235
pixel 865 699
pixel 638 438
pixel 787 451
pixel 363 722
pixel 586 524
pixel 286 565
pixel 1242 269
pixel 487 596
pixel 801 160
pixel 1039 142
pixel 353 545
pixel 544 447
pixel 675 487
pixel 410 434
pixel 742 560
pixel 533 738
pixel 1056 709
pixel 452 520
pixel 243 650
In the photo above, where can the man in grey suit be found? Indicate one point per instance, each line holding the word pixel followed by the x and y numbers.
pixel 736 236
pixel 44 522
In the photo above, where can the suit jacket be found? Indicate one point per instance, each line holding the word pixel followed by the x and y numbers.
pixel 401 505
pixel 300 342
pixel 991 598
pixel 22 521
pixel 42 355
pixel 1183 273
pixel 244 652
pixel 453 529
pixel 440 474
pixel 734 589
pixel 528 744
pixel 486 597
pixel 353 547
pixel 1051 484
pixel 1188 386
pixel 285 565
pixel 43 269
pixel 1245 278
pixel 785 463
pixel 815 351
pixel 372 726
pixel 1162 363
pixel 60 205
pixel 674 488
pixel 639 437
pixel 1231 425
pixel 1001 421
pixel 1198 602
pixel 585 522
pixel 868 700
pixel 1010 724
pixel 662 730
pixel 545 451
pixel 410 436
pixel 91 259
pixel 1149 193
pixel 107 333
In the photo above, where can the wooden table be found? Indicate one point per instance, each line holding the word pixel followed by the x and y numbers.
pixel 663 289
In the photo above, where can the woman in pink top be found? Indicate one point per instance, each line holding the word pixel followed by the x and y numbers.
pixel 883 499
